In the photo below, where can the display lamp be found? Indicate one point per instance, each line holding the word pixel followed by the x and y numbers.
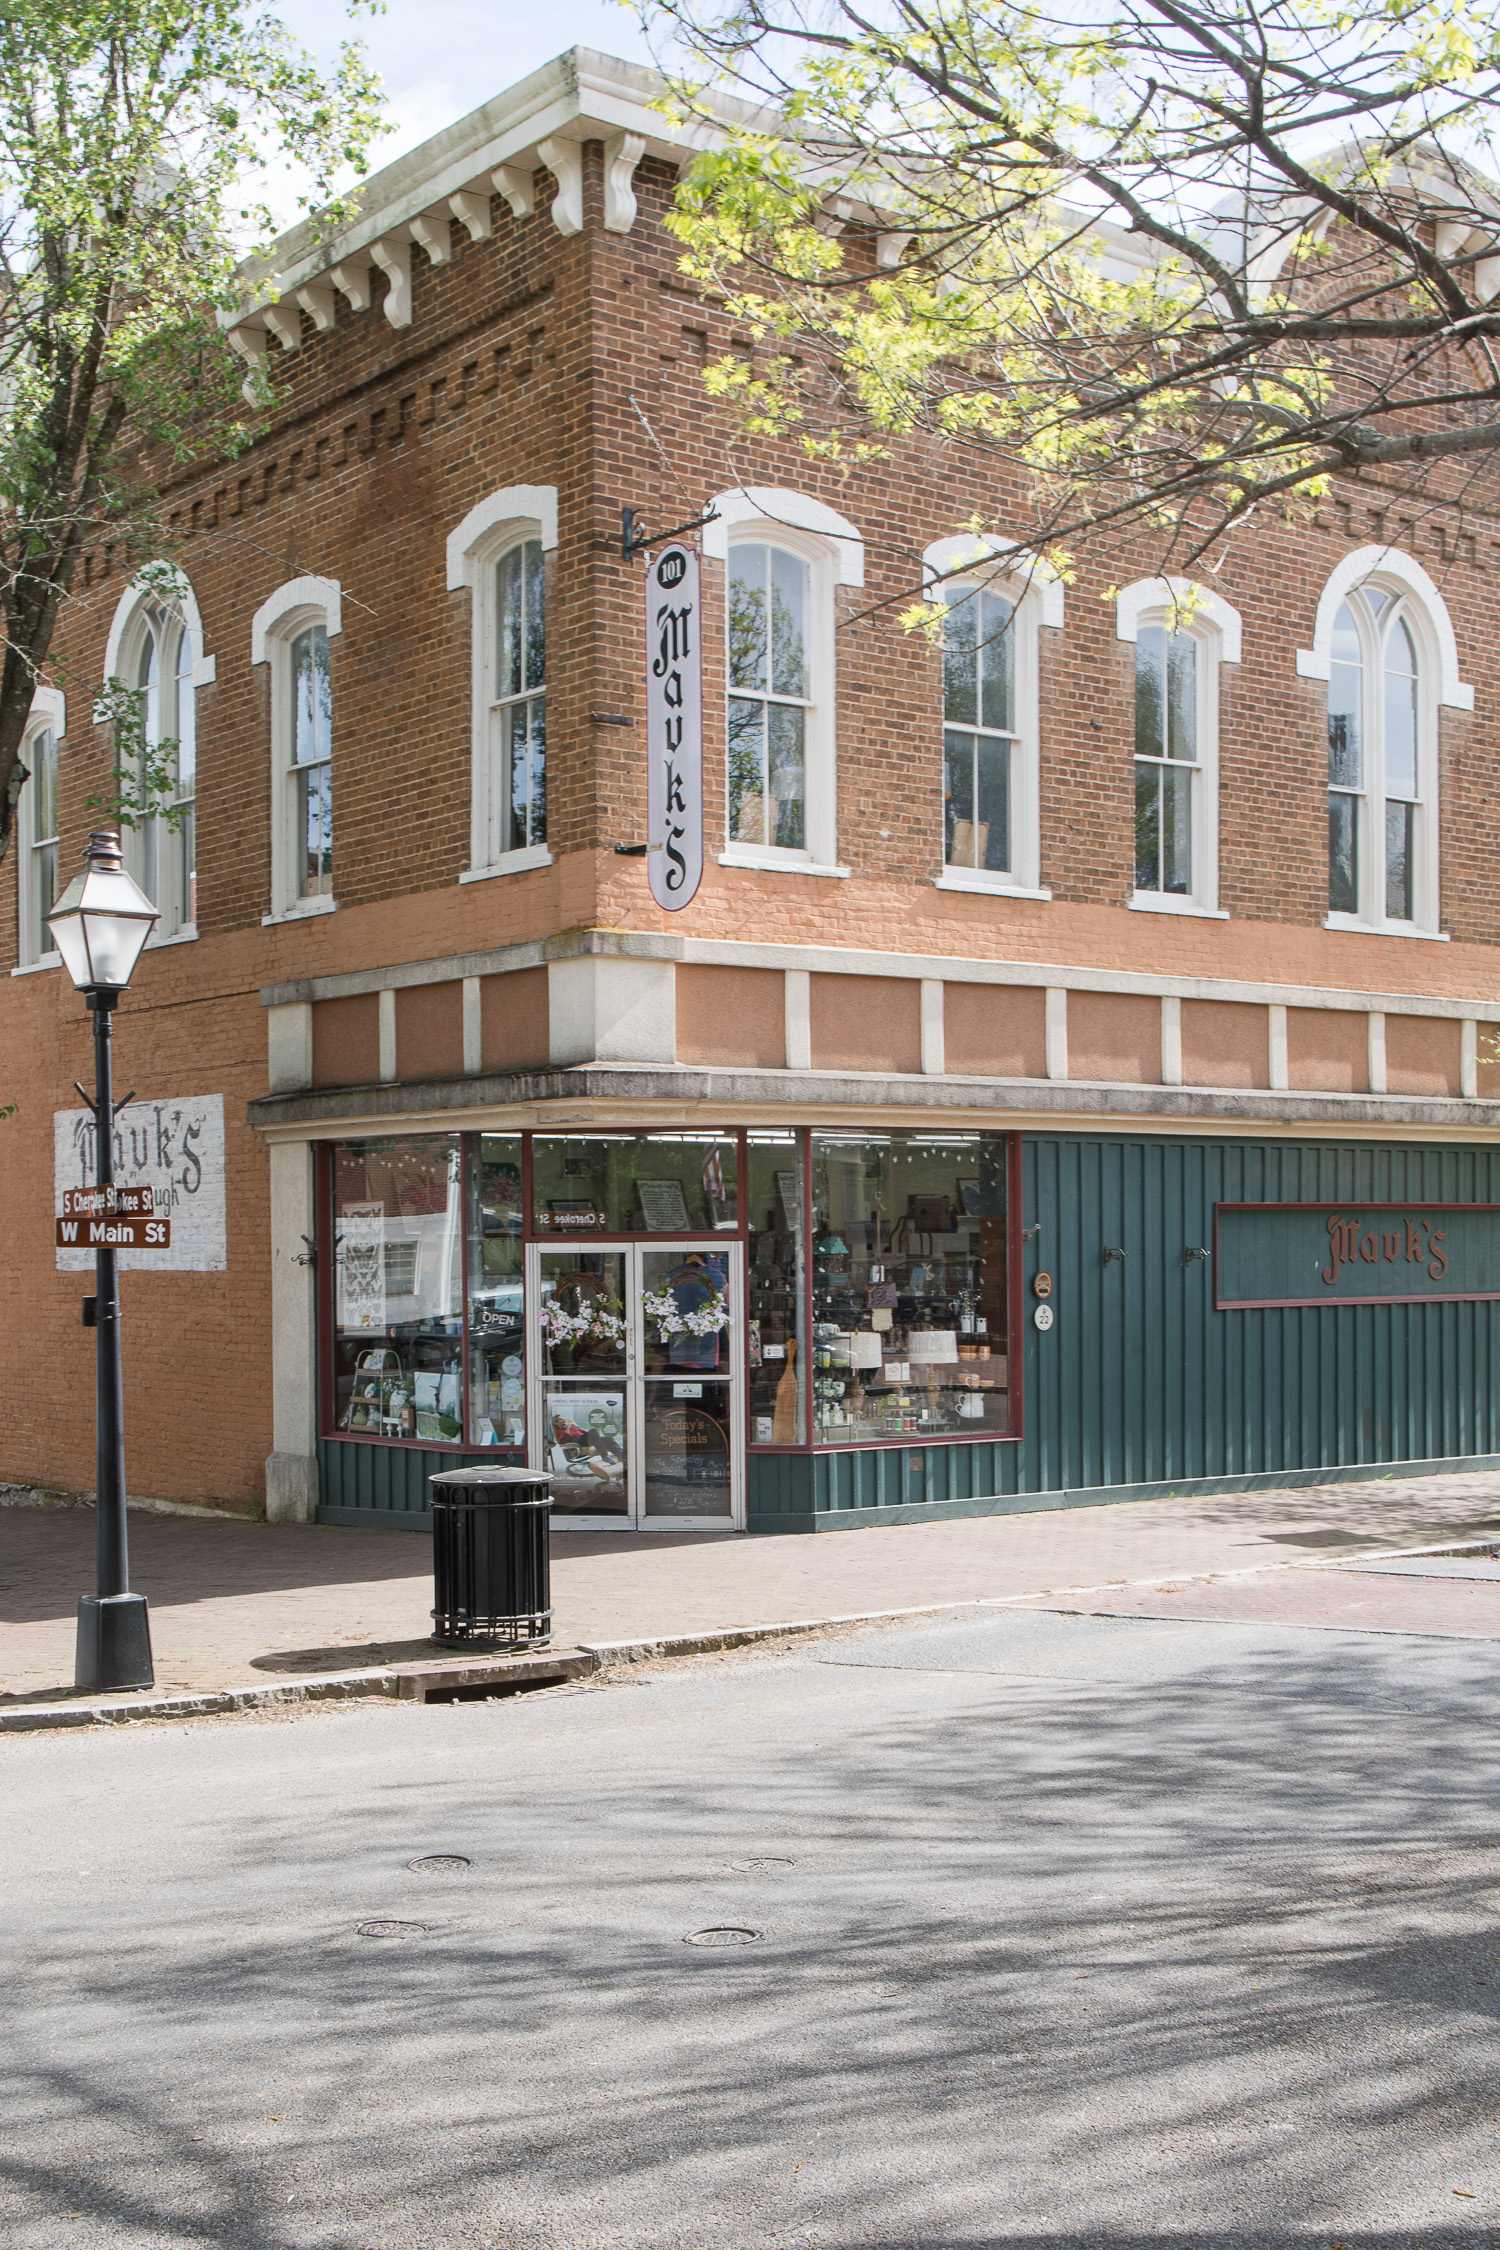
pixel 99 926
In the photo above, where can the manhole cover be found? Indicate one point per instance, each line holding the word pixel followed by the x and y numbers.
pixel 439 1863
pixel 393 1929
pixel 766 1864
pixel 723 1933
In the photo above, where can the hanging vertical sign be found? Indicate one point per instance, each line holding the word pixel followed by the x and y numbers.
pixel 674 727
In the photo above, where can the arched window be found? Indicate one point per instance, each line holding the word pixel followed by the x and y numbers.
pixel 1383 643
pixel 292 633
pixel 991 709
pixel 784 554
pixel 156 651
pixel 1376 815
pixel 37 831
pixel 500 552
pixel 1182 634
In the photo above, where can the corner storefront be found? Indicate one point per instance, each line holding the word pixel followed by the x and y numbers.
pixel 808 1328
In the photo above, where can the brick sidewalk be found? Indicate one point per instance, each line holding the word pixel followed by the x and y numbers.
pixel 235 1603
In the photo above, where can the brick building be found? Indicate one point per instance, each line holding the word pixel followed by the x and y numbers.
pixel 1072 1076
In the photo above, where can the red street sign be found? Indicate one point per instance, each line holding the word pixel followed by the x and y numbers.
pixel 94 1202
pixel 111 1231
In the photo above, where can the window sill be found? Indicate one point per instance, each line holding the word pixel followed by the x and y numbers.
pixel 771 862
pixel 1353 927
pixel 989 886
pixel 187 935
pixel 509 863
pixel 303 911
pixel 1161 902
pixel 30 968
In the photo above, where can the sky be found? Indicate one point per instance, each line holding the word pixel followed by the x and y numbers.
pixel 441 58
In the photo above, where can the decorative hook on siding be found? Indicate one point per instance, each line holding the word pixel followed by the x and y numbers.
pixel 1189 1254
pixel 1109 1253
pixel 1029 1234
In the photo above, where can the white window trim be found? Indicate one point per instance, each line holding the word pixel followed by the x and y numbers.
pixel 500 520
pixel 144 593
pixel 1428 634
pixel 1394 571
pixel 1183 605
pixel 294 606
pixel 983 559
pixel 49 709
pixel 835 553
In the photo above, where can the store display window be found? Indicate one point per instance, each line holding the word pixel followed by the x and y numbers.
pixel 909 1286
pixel 497 1295
pixel 877 1297
pixel 777 1291
pixel 634 1183
pixel 398 1261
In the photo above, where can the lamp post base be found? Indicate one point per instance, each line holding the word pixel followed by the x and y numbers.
pixel 114 1643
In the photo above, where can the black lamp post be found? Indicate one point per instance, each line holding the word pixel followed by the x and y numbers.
pixel 99 925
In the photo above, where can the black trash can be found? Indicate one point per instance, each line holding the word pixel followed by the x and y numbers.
pixel 491 1564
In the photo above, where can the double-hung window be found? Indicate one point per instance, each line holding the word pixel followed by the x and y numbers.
pixel 502 555
pixel 980 736
pixel 36 869
pixel 309 684
pixel 770 700
pixel 167 834
pixel 155 663
pixel 1167 772
pixel 1380 846
pixel 293 633
pixel 518 715
pixel 1182 635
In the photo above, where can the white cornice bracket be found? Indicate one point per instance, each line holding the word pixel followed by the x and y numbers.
pixel 351 278
pixel 622 153
pixel 564 160
pixel 393 257
pixel 318 303
pixel 285 324
pixel 249 344
pixel 430 229
pixel 518 188
pixel 890 249
pixel 471 208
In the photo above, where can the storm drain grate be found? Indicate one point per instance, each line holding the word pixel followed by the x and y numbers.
pixel 723 1933
pixel 385 1929
pixel 440 1863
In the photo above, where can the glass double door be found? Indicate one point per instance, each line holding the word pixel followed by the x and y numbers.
pixel 635 1407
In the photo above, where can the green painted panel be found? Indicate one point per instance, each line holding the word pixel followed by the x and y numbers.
pixel 1320 1254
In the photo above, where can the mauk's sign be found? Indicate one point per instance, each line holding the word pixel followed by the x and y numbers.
pixel 169 1177
pixel 1271 1254
pixel 674 727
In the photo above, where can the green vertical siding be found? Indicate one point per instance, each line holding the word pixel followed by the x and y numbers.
pixel 1141 1386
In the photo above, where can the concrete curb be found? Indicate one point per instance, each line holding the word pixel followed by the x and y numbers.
pixel 454 1680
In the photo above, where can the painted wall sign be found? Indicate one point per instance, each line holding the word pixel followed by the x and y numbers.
pixel 1268 1254
pixel 172 1153
pixel 674 727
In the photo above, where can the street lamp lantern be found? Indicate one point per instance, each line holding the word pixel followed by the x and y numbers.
pixel 100 924
pixel 102 920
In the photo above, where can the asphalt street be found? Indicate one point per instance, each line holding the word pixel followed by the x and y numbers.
pixel 1030 1930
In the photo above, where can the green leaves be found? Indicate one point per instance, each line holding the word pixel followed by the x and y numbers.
pixel 126 128
pixel 1165 265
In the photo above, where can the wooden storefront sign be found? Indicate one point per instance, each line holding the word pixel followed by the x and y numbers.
pixel 1270 1254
